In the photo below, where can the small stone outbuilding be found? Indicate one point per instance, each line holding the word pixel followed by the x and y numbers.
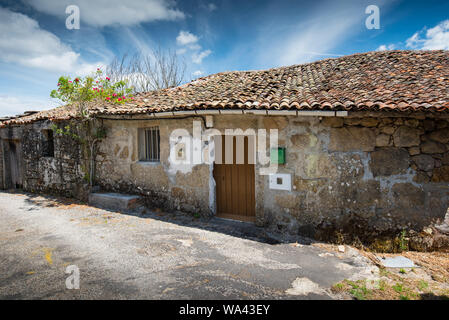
pixel 362 146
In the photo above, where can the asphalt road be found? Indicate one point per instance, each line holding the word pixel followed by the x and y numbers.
pixel 155 256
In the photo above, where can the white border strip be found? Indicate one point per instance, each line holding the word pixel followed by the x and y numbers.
pixel 163 114
pixel 317 113
pixel 281 112
pixel 260 112
pixel 182 113
pixel 298 113
pixel 231 111
pixel 207 112
pixel 341 113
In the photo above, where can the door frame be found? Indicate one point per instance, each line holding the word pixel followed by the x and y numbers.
pixel 249 175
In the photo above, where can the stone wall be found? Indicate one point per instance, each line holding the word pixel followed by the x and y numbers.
pixel 62 174
pixel 359 176
pixel 364 176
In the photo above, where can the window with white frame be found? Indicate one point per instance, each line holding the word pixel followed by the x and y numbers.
pixel 149 144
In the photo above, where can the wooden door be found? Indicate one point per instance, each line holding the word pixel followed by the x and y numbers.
pixel 15 165
pixel 234 177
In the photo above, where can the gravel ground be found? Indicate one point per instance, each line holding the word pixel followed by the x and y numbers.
pixel 156 256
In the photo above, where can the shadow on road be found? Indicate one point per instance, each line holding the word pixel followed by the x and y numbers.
pixel 245 230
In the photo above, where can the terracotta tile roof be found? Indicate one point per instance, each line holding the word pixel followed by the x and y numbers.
pixel 387 80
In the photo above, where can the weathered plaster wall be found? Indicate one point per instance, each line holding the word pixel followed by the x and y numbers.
pixel 162 184
pixel 367 176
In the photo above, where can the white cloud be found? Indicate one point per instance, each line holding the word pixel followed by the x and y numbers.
pixel 102 13
pixel 14 105
pixel 22 41
pixel 186 38
pixel 384 47
pixel 434 38
pixel 198 57
pixel 197 73
pixel 189 41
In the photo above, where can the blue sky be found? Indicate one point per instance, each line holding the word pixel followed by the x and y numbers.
pixel 210 35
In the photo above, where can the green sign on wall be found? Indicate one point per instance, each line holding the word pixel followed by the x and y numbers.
pixel 277 155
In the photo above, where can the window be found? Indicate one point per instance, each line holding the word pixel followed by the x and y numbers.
pixel 149 144
pixel 48 144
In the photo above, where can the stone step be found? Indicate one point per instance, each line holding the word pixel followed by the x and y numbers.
pixel 114 201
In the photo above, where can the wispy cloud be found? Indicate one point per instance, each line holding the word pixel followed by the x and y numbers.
pixel 198 57
pixel 211 7
pixel 314 36
pixel 23 42
pixel 14 105
pixel 102 13
pixel 385 47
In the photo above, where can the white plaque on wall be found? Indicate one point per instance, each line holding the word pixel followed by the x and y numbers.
pixel 281 181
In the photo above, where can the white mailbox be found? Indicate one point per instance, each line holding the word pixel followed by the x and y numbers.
pixel 281 181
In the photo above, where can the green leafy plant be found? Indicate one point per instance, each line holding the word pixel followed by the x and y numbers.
pixel 79 92
pixel 82 90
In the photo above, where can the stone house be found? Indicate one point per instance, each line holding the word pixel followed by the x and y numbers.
pixel 362 146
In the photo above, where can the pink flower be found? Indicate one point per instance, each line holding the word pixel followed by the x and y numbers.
pixel 59 84
pixel 70 81
pixel 108 98
pixel 123 97
pixel 119 99
pixel 107 78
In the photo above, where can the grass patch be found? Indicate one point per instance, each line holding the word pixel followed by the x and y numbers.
pixel 393 288
pixel 422 285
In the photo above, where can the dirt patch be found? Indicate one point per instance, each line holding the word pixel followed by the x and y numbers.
pixel 429 280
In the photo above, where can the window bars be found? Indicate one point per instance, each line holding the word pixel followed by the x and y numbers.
pixel 152 144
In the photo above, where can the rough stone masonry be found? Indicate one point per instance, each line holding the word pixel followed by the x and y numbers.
pixel 364 176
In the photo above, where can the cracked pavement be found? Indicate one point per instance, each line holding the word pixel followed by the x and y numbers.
pixel 156 256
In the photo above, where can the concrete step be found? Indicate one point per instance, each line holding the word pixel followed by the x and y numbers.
pixel 114 201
